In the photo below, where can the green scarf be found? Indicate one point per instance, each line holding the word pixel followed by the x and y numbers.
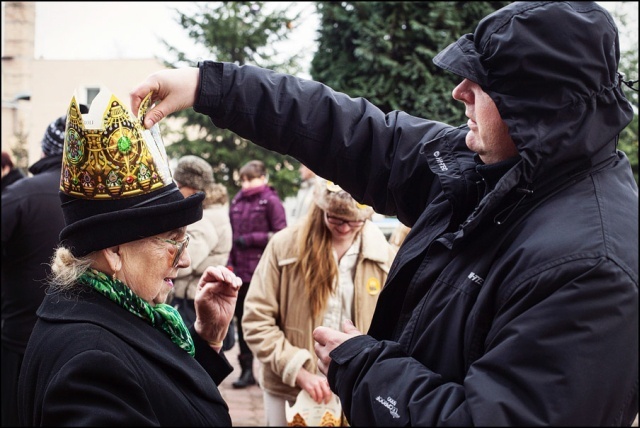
pixel 161 316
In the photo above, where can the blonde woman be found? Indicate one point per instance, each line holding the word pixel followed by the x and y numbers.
pixel 323 270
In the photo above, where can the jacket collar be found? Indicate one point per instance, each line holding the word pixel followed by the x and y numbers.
pixel 371 248
pixel 45 164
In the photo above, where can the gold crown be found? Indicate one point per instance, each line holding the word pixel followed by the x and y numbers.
pixel 111 155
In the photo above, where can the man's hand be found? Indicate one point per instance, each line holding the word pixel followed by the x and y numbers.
pixel 173 90
pixel 328 339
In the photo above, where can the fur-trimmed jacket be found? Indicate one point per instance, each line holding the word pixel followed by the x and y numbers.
pixel 277 319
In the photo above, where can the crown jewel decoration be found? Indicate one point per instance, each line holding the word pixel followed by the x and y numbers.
pixel 112 155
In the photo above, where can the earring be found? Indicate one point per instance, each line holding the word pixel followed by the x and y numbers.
pixel 114 275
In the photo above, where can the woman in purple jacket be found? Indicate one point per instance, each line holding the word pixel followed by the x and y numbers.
pixel 256 214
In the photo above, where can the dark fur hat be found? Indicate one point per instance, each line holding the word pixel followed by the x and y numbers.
pixel 336 201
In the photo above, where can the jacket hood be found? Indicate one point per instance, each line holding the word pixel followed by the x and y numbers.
pixel 551 69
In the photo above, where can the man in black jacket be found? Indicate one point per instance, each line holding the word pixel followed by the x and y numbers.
pixel 31 222
pixel 513 301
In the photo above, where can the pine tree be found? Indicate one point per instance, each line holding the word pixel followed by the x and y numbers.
pixel 628 141
pixel 383 51
pixel 242 32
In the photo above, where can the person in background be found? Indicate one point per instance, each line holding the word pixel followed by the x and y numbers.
pixel 323 270
pixel 304 197
pixel 106 350
pixel 10 174
pixel 256 214
pixel 210 242
pixel 31 222
pixel 513 301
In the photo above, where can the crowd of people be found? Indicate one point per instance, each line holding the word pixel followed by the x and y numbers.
pixel 509 295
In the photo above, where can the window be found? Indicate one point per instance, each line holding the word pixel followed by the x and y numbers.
pixel 91 94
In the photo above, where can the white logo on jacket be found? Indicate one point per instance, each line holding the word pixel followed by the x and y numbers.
pixel 439 161
pixel 390 404
pixel 475 278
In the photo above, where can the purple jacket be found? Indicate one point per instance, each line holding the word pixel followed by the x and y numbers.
pixel 255 215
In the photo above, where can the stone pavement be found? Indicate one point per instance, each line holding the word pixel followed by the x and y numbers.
pixel 245 405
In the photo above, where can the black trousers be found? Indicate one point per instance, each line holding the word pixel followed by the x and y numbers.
pixel 244 348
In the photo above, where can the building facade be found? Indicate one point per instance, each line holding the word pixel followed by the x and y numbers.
pixel 37 91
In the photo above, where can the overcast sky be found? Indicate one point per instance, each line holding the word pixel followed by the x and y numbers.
pixel 103 30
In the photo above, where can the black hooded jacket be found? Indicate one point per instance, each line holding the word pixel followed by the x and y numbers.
pixel 31 222
pixel 509 304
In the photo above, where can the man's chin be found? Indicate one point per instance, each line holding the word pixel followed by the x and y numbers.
pixel 471 142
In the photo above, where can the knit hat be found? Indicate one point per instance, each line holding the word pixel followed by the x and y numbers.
pixel 333 200
pixel 116 184
pixel 194 172
pixel 53 140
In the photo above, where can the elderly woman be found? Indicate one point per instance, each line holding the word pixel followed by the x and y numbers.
pixel 106 350
pixel 323 270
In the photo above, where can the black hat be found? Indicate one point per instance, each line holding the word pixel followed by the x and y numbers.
pixel 116 185
pixel 53 139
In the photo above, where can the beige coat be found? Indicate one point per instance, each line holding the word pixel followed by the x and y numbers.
pixel 277 324
pixel 209 246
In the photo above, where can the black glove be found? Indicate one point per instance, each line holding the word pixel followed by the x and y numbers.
pixel 240 242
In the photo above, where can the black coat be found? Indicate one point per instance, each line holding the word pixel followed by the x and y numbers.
pixel 31 222
pixel 514 299
pixel 12 176
pixel 104 366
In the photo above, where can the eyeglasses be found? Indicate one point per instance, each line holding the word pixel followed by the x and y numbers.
pixel 339 222
pixel 180 245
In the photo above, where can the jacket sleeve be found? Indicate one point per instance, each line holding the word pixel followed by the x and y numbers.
pixel 542 352
pixel 260 325
pixel 380 159
pixel 215 363
pixel 277 215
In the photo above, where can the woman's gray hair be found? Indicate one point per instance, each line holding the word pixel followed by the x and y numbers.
pixel 66 269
